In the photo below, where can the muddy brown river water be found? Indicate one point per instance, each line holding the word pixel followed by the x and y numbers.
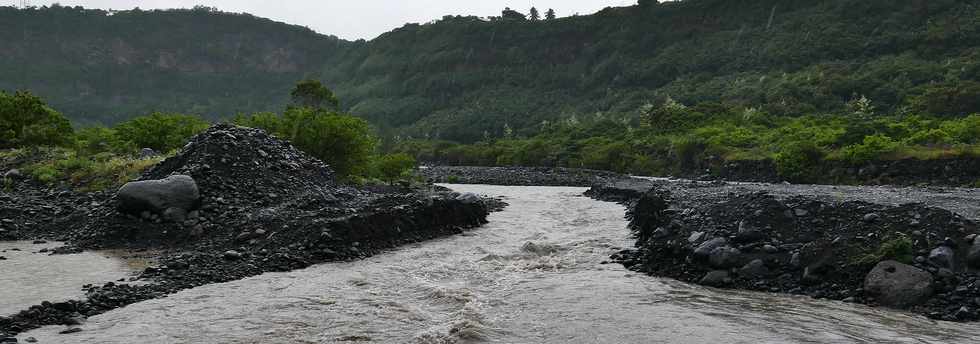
pixel 534 274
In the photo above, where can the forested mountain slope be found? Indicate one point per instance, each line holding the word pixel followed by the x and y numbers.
pixel 99 66
pixel 465 78
pixel 462 76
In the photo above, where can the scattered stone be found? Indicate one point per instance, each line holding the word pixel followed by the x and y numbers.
pixel 147 153
pixel 942 257
pixel 232 255
pixel 705 249
pixel 71 330
pixel 716 278
pixel 748 232
pixel 469 198
pixel 754 269
pixel 725 257
pixel 871 217
pixel 13 174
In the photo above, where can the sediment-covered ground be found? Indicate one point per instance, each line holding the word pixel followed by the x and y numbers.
pixel 258 205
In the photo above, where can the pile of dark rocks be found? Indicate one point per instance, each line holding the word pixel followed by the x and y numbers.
pixel 910 256
pixel 237 202
pixel 518 176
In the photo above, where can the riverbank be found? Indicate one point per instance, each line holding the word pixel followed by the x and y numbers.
pixel 255 204
pixel 517 176
pixel 838 243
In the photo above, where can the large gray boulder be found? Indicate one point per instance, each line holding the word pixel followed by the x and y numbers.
pixel 158 196
pixel 898 285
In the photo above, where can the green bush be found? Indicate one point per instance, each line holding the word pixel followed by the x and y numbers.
pixel 898 249
pixel 26 121
pixel 161 132
pixel 392 167
pixel 344 142
pixel 797 161
pixel 873 147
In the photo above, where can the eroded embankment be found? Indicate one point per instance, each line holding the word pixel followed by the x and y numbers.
pixel 909 256
pixel 259 205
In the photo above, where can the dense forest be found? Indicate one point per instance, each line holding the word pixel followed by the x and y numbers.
pixel 105 67
pixel 652 88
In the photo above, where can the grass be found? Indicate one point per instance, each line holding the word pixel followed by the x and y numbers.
pixel 88 172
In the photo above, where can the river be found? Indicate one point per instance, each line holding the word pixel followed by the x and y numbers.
pixel 534 274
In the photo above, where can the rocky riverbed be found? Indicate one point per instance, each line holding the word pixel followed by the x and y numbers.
pixel 856 244
pixel 235 202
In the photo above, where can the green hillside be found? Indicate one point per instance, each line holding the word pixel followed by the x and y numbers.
pixel 466 78
pixel 101 67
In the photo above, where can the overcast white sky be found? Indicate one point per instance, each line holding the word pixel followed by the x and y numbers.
pixel 352 19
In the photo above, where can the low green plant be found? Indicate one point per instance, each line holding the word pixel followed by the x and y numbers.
pixel 898 249
pixel 873 147
pixel 797 161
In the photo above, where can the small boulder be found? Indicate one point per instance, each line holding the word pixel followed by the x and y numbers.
pixel 747 232
pixel 13 174
pixel 157 196
pixel 147 153
pixel 232 255
pixel 754 269
pixel 725 257
pixel 716 278
pixel 942 257
pixel 469 198
pixel 898 285
pixel 704 250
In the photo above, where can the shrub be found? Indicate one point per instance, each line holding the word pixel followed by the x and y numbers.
pixel 344 142
pixel 26 121
pixel 161 132
pixel 873 147
pixel 797 161
pixel 898 249
pixel 393 167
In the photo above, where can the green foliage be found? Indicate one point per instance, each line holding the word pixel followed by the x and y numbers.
pixel 797 161
pixel 312 94
pixel 26 121
pixel 899 249
pixel 873 147
pixel 392 167
pixel 92 172
pixel 344 142
pixel 460 77
pixel 161 132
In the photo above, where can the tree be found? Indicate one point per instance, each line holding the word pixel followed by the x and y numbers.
pixel 392 167
pixel 512 15
pixel 161 132
pixel 535 16
pixel 312 94
pixel 26 121
pixel 550 15
pixel 344 142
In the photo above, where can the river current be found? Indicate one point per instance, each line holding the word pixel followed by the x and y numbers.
pixel 534 274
